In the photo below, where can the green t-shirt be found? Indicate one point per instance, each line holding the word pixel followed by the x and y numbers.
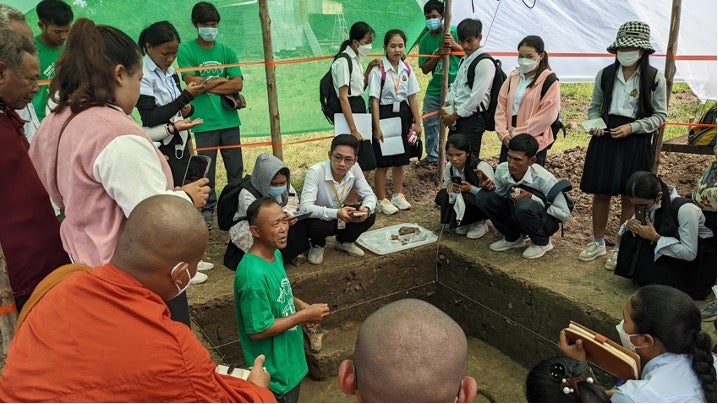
pixel 48 57
pixel 262 293
pixel 428 44
pixel 209 106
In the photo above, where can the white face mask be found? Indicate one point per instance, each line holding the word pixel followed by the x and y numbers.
pixel 628 58
pixel 363 50
pixel 208 34
pixel 527 65
pixel 625 338
pixel 180 289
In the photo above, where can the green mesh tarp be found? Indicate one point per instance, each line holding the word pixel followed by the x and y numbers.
pixel 301 29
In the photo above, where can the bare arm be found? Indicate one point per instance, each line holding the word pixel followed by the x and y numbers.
pixel 307 313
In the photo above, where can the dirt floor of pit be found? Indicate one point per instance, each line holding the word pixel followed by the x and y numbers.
pixel 587 284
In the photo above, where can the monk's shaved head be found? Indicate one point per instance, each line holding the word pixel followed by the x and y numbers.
pixel 161 231
pixel 410 351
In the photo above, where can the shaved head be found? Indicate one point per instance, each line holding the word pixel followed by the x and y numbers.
pixel 410 351
pixel 161 231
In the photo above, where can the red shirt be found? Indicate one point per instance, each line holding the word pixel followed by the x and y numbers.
pixel 29 230
pixel 101 336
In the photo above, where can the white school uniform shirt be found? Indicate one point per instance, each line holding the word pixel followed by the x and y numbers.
pixel 521 87
pixel 340 74
pixel 467 100
pixel 538 178
pixel 161 85
pixel 398 86
pixel 31 122
pixel 318 193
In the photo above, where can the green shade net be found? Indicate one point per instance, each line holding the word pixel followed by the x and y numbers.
pixel 300 29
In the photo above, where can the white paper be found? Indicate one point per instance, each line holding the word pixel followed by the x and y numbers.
pixel 593 123
pixel 393 143
pixel 362 122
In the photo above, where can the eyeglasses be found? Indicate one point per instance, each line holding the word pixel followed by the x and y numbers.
pixel 338 158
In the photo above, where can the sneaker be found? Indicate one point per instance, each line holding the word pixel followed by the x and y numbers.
pixel 708 312
pixel 477 230
pixel 204 265
pixel 316 255
pixel 400 202
pixel 198 278
pixel 462 230
pixel 537 251
pixel 612 260
pixel 503 245
pixel 299 260
pixel 387 208
pixel 592 251
pixel 349 248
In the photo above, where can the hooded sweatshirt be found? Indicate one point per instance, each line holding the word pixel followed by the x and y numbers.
pixel 266 167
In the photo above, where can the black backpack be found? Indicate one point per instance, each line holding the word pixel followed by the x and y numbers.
pixel 499 78
pixel 557 125
pixel 563 186
pixel 328 97
pixel 228 201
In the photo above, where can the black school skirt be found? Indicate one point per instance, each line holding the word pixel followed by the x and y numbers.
pixel 365 157
pixel 609 162
pixel 397 160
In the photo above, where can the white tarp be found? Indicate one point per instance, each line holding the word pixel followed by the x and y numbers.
pixel 571 26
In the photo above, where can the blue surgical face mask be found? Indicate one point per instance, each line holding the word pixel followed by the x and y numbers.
pixel 276 191
pixel 208 34
pixel 432 24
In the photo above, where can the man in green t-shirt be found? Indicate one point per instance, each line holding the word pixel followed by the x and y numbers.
pixel 221 124
pixel 55 18
pixel 432 42
pixel 268 314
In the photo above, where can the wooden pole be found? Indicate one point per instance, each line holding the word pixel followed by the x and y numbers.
pixel 269 70
pixel 444 89
pixel 8 313
pixel 670 72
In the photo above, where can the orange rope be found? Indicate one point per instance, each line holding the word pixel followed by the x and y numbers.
pixel 8 309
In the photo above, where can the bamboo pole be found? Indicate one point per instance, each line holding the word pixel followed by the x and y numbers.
pixel 269 69
pixel 444 89
pixel 669 73
pixel 8 313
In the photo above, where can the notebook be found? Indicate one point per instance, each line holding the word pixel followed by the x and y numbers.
pixel 606 354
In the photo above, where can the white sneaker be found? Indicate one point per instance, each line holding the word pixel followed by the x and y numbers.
pixel 315 255
pixel 537 251
pixel 461 230
pixel 503 245
pixel 400 202
pixel 203 265
pixel 477 230
pixel 592 251
pixel 349 248
pixel 198 278
pixel 387 208
pixel 612 260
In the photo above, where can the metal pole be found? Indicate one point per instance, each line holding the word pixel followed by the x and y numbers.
pixel 266 22
pixel 444 89
pixel 670 71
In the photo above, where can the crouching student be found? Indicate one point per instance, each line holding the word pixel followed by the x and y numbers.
pixel 515 205
pixel 326 186
pixel 270 179
pixel 666 242
pixel 461 178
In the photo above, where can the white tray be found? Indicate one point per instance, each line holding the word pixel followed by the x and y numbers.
pixel 379 241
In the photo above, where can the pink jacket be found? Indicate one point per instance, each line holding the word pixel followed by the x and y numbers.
pixel 535 115
pixel 91 198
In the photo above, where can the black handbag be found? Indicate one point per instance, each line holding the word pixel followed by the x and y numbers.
pixel 234 101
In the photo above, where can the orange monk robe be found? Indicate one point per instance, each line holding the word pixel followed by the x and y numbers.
pixel 100 335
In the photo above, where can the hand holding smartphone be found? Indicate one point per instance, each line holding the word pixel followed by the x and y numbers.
pixel 197 168
pixel 456 179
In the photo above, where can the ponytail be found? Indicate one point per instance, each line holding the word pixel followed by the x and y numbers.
pixel 342 47
pixel 85 72
pixel 703 365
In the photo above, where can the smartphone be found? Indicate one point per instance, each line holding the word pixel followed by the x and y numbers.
pixel 359 213
pixel 456 179
pixel 196 168
pixel 303 215
pixel 640 212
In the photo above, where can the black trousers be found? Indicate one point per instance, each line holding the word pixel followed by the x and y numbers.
pixel 472 214
pixel 319 230
pixel 512 219
pixel 473 128
pixel 297 243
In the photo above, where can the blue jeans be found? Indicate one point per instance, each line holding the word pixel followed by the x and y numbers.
pixel 432 125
